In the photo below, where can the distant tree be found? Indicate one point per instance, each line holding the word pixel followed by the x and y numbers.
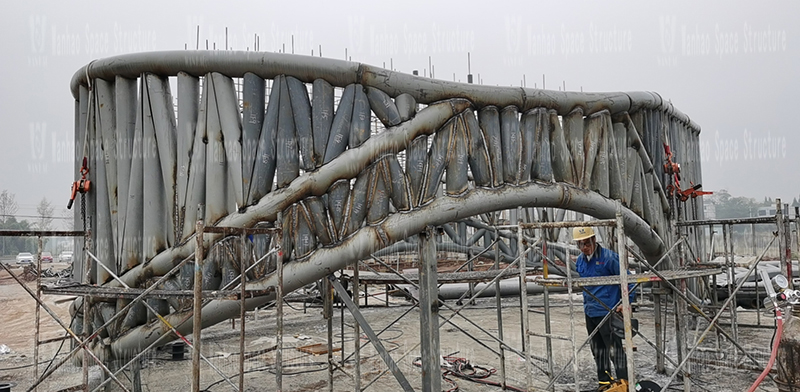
pixel 728 206
pixel 68 219
pixel 45 212
pixel 13 245
pixel 45 220
pixel 8 206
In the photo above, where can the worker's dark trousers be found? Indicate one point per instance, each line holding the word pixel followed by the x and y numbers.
pixel 606 347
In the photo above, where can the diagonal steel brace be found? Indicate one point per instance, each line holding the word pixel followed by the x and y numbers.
pixel 373 338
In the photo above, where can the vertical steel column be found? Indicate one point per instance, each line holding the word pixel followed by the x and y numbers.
pixel 470 268
pixel 87 270
pixel 681 335
pixel 462 233
pixel 567 264
pixel 357 330
pixel 758 303
pixel 499 304
pixel 660 320
pixel 197 318
pixel 797 231
pixel 523 299
pixel 714 295
pixel 735 321
pixel 657 315
pixel 784 240
pixel 327 313
pixel 429 312
pixel 38 309
pixel 729 262
pixel 626 303
pixel 524 287
pixel 242 309
pixel 341 325
pixel 279 307
pixel 136 369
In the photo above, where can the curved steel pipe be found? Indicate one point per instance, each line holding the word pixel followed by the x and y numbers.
pixel 348 165
pixel 342 73
pixel 397 227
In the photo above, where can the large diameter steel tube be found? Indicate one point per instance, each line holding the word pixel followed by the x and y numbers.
pixel 316 183
pixel 399 226
pixel 342 73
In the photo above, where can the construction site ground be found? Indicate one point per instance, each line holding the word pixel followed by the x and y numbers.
pixel 304 325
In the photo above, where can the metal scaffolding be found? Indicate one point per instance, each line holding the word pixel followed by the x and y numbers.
pixel 529 236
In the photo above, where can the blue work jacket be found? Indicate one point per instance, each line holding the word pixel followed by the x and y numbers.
pixel 604 262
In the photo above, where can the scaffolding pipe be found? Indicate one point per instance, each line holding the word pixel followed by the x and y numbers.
pixel 38 308
pixel 65 327
pixel 197 321
pixel 429 313
pixel 498 303
pixel 523 301
pixel 722 310
pixel 357 331
pixel 626 304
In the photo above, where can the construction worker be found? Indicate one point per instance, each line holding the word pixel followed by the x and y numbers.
pixel 595 260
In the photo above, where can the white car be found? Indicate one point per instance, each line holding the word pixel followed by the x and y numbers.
pixel 24 258
pixel 65 256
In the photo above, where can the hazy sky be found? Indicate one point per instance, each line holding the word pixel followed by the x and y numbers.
pixel 730 66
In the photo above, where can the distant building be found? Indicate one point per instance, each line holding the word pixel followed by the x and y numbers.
pixel 767 211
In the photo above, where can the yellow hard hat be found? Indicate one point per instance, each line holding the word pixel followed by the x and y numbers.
pixel 582 233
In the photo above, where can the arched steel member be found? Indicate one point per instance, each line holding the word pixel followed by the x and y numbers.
pixel 398 226
pixel 341 73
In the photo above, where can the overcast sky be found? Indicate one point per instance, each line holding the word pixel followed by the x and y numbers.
pixel 731 66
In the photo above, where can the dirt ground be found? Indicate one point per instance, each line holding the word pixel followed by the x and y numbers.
pixel 726 370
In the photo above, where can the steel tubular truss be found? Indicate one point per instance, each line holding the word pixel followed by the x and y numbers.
pixel 313 164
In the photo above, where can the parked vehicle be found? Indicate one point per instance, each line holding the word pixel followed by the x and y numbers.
pixel 752 293
pixel 47 257
pixel 65 256
pixel 24 258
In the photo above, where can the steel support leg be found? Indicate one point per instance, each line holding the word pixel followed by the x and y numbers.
pixel 197 323
pixel 626 305
pixel 499 302
pixel 357 331
pixel 429 313
pixel 327 313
